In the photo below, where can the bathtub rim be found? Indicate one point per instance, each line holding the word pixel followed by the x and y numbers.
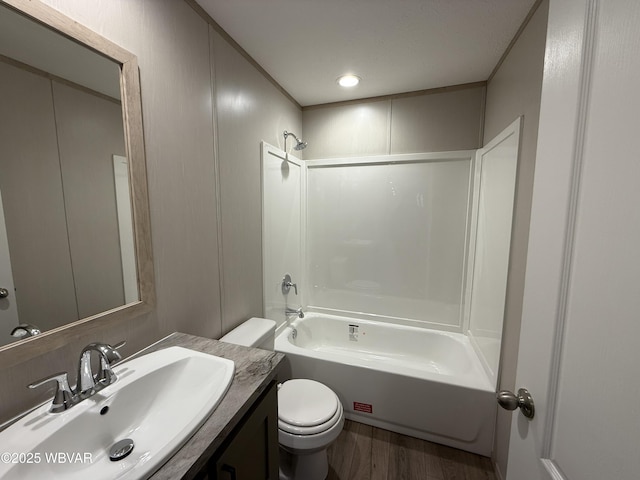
pixel 372 317
pixel 483 383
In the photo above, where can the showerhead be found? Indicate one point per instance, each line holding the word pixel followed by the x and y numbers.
pixel 300 145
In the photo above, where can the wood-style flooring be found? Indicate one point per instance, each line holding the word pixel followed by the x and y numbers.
pixel 362 452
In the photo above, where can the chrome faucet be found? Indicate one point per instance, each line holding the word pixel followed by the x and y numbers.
pixel 25 330
pixel 88 384
pixel 294 311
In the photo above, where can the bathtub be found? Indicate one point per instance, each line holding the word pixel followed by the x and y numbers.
pixel 414 381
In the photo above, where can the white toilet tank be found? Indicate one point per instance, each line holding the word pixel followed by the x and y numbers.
pixel 255 332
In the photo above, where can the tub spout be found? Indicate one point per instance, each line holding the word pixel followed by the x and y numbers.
pixel 294 311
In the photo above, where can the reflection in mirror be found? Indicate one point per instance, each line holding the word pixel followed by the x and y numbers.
pixel 58 137
pixel 67 238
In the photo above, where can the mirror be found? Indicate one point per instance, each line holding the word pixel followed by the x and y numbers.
pixel 74 216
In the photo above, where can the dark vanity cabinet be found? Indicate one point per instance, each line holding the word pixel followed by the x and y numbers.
pixel 251 450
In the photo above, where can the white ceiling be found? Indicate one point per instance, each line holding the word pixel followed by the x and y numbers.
pixel 396 46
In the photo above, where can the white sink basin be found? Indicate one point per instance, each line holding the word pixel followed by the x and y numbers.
pixel 159 401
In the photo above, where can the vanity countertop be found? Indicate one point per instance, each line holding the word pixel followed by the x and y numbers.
pixel 254 370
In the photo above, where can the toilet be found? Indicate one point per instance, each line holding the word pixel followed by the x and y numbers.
pixel 310 414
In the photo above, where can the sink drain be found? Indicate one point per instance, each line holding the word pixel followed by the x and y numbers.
pixel 121 449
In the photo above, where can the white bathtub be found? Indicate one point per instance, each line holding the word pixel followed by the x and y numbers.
pixel 414 381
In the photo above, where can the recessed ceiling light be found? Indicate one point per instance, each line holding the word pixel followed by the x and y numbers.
pixel 348 80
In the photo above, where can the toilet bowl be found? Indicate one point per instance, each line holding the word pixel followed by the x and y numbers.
pixel 310 418
pixel 310 414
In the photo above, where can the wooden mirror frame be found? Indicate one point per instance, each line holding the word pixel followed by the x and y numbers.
pixel 23 350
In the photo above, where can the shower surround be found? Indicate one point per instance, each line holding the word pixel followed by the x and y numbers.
pixel 400 263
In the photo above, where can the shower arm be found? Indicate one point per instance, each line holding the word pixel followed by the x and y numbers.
pixel 299 143
pixel 286 135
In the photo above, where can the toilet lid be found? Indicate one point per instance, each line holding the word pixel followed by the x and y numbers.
pixel 306 403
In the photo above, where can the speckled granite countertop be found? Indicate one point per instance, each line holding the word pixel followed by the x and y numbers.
pixel 255 369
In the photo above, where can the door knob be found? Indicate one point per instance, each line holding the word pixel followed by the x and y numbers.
pixel 4 293
pixel 523 400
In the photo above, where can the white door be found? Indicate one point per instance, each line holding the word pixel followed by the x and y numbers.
pixel 579 351
pixel 8 305
pixel 125 228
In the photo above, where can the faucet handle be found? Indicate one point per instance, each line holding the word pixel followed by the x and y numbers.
pixel 87 385
pixel 105 374
pixel 287 284
pixel 110 353
pixel 63 398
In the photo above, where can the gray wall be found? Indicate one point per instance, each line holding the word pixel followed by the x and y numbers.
pixel 31 185
pixel 90 132
pixel 173 47
pixel 515 90
pixel 249 109
pixel 441 120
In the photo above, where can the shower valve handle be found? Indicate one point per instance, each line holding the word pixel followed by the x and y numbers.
pixel 287 284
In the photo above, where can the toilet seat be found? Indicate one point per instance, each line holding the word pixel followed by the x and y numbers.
pixel 307 407
pixel 315 430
